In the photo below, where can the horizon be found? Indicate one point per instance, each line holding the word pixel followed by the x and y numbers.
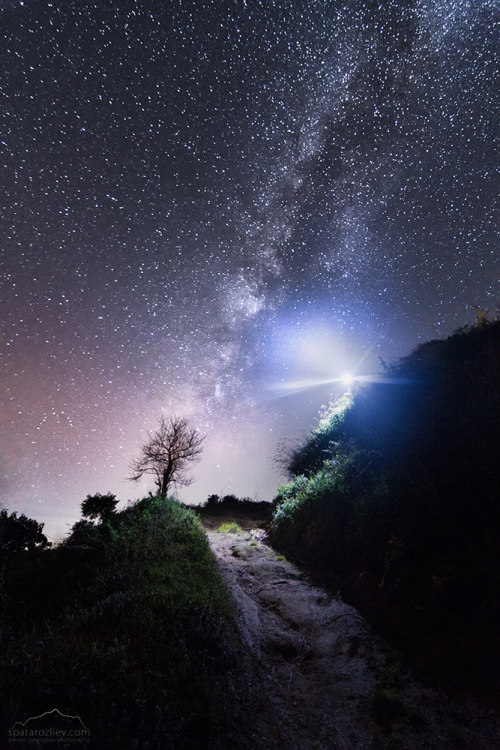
pixel 205 209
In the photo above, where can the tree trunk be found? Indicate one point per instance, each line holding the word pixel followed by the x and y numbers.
pixel 164 485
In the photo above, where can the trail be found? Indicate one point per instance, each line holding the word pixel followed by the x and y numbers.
pixel 316 675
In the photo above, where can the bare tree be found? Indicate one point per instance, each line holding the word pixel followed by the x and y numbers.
pixel 167 454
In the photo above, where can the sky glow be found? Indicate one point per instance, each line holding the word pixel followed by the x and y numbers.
pixel 200 201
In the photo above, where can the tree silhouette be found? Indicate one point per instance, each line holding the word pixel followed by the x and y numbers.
pixel 167 454
pixel 19 533
pixel 99 506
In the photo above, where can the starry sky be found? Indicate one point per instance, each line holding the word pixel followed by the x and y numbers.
pixel 207 207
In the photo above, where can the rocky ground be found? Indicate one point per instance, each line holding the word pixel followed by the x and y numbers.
pixel 316 677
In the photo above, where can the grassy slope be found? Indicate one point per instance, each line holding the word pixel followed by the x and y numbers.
pixel 127 625
pixel 395 500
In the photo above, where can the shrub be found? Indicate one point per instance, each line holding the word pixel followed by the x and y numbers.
pixel 130 627
pixel 20 533
pixel 102 507
pixel 323 440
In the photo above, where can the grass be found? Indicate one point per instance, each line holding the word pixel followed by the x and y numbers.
pixel 230 528
pixel 127 625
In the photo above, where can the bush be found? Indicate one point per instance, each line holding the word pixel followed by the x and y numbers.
pixel 20 534
pixel 323 441
pixel 129 626
pixel 102 507
pixel 234 506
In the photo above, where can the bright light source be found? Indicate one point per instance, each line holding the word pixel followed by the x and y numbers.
pixel 347 379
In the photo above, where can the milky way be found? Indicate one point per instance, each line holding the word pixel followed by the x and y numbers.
pixel 203 200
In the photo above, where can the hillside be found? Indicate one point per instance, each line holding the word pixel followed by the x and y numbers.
pixel 394 503
pixel 126 624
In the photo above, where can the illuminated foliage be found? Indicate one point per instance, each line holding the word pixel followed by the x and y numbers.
pixel 321 443
pixel 396 492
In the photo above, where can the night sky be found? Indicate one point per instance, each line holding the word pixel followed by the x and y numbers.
pixel 203 202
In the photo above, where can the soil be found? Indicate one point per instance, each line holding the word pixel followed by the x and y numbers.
pixel 316 676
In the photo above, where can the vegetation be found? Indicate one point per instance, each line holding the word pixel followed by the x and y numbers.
pixel 230 528
pixel 168 454
pixel 233 506
pixel 99 506
pixel 127 624
pixel 20 533
pixel 394 497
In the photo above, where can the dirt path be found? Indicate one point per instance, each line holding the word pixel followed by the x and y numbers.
pixel 317 678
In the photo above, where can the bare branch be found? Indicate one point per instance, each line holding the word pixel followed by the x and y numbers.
pixel 168 453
